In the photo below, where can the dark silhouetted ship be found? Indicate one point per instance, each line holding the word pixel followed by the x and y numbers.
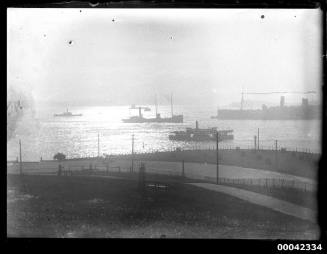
pixel 67 114
pixel 282 112
pixel 198 135
pixel 157 119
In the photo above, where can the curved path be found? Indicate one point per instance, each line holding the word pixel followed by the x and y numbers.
pixel 263 200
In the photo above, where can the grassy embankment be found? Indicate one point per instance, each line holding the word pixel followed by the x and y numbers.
pixel 103 207
pixel 299 164
pixel 294 163
pixel 303 198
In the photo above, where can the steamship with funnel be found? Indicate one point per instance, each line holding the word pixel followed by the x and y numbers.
pixel 157 118
pixel 198 135
pixel 305 111
pixel 67 114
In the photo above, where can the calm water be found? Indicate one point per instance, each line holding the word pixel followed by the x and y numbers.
pixel 42 134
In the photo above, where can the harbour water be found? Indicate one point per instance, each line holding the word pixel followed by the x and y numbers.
pixel 43 135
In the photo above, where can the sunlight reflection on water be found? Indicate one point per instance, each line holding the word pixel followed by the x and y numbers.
pixel 44 135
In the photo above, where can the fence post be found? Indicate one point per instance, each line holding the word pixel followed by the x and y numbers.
pixel 59 170
pixel 20 158
pixel 276 154
pixel 255 142
pixel 217 157
pixel 142 177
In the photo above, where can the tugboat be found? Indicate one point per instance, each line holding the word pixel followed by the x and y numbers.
pixel 67 114
pixel 199 135
pixel 157 119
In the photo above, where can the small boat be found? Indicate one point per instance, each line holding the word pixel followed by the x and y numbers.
pixel 67 114
pixel 201 135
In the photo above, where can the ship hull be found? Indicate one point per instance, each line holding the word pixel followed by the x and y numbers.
pixel 58 115
pixel 195 139
pixel 287 113
pixel 174 119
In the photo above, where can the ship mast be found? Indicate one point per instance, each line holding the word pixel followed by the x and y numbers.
pixel 242 99
pixel 156 104
pixel 171 104
pixel 140 112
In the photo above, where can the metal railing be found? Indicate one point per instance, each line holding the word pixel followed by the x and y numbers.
pixel 104 170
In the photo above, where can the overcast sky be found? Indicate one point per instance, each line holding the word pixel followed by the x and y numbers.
pixel 124 56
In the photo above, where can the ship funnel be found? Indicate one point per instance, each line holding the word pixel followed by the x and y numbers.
pixel 196 124
pixel 282 101
pixel 305 102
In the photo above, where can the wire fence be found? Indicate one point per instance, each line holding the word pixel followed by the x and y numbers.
pixel 221 148
pixel 304 151
pixel 209 148
pixel 185 170
pixel 270 183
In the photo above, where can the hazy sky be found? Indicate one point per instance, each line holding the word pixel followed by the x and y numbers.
pixel 202 56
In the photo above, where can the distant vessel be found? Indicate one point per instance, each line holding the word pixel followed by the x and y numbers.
pixel 157 119
pixel 198 135
pixel 282 112
pixel 67 114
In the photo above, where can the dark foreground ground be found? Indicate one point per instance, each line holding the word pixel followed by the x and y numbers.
pixel 296 196
pixel 76 206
